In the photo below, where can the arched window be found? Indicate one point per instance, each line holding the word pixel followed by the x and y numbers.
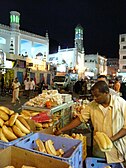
pixel 2 40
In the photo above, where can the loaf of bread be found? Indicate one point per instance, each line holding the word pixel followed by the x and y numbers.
pixel 103 141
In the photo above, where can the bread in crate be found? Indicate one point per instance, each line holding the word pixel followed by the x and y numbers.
pixel 72 148
pixel 79 137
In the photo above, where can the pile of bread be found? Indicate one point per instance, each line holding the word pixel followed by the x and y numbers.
pixel 28 114
pixel 47 95
pixel 12 125
pixel 81 138
pixel 48 147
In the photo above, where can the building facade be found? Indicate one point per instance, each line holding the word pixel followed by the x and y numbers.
pixel 75 59
pixel 112 66
pixel 95 64
pixel 26 52
pixel 122 52
pixel 70 59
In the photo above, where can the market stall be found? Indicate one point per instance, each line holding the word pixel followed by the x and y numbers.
pixel 14 128
pixel 54 107
pixel 48 110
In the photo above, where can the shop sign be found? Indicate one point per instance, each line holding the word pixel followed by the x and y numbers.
pixel 8 64
pixel 21 64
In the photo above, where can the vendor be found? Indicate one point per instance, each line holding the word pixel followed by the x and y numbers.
pixel 108 114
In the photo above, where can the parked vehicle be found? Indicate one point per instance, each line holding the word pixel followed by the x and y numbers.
pixel 62 82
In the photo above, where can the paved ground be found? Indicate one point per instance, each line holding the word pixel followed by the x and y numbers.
pixel 6 101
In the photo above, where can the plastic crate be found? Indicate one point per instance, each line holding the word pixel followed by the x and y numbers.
pixel 71 147
pixel 12 143
pixel 100 163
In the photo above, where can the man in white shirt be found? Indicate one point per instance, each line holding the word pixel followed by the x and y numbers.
pixel 27 87
pixel 32 87
pixel 15 85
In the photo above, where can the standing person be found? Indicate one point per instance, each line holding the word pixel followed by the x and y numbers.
pixel 15 86
pixel 42 82
pixel 32 87
pixel 123 89
pixel 27 87
pixel 84 87
pixel 117 85
pixel 2 85
pixel 78 87
pixel 104 78
pixel 108 115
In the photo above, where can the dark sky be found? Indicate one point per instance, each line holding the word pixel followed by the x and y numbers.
pixel 102 20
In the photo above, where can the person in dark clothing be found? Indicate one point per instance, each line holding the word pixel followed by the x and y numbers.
pixel 78 87
pixel 2 85
pixel 123 90
pixel 40 87
pixel 84 87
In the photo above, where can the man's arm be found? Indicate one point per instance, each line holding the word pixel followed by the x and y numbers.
pixel 120 134
pixel 74 123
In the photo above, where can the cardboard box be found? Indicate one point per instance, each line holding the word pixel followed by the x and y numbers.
pixel 17 157
pixel 48 130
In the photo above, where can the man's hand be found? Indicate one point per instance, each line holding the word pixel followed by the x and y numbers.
pixel 58 132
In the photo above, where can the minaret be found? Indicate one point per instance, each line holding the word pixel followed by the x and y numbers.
pixel 14 20
pixel 47 35
pixel 79 38
pixel 59 48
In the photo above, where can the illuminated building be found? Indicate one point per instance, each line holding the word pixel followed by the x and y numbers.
pixel 95 64
pixel 122 53
pixel 76 60
pixel 112 66
pixel 26 52
pixel 70 58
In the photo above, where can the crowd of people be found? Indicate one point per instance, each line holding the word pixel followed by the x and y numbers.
pixel 83 86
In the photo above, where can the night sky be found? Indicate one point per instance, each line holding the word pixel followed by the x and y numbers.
pixel 102 20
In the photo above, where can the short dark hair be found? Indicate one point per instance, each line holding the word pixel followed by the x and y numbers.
pixel 101 86
pixel 102 76
pixel 116 79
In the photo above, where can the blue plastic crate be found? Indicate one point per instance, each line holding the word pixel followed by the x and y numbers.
pixel 100 163
pixel 12 143
pixel 71 147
